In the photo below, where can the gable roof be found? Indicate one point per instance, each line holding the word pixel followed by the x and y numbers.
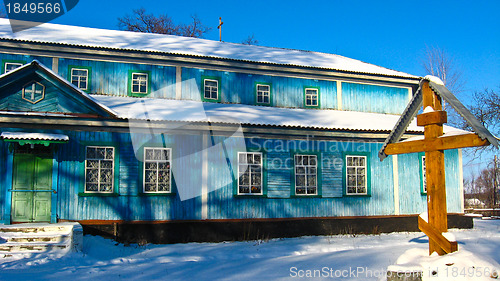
pixel 411 112
pixel 171 44
pixel 36 66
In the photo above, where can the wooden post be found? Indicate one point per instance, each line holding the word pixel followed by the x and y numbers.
pixel 434 164
pixel 434 144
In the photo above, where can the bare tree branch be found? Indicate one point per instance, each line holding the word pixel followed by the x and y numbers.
pixel 250 40
pixel 140 21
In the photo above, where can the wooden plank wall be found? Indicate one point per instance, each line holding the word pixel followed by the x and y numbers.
pixel 130 204
pixel 374 98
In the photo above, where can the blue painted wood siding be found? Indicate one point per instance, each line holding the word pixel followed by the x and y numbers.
pixel 240 88
pixel 4 185
pixel 411 200
pixel 112 78
pixel 374 98
pixel 24 59
pixel 130 204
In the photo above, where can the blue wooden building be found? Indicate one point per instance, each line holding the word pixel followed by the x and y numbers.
pixel 117 129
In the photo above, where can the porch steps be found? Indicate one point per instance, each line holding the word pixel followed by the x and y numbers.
pixel 36 238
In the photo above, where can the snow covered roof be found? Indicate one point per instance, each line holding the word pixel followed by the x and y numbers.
pixel 33 136
pixel 193 111
pixel 126 40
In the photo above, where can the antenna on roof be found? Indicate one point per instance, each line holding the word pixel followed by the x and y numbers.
pixel 220 29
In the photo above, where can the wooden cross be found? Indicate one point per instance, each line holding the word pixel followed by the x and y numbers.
pixel 434 144
pixel 220 28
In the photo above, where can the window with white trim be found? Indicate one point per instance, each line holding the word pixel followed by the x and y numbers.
pixel 306 174
pixel 424 178
pixel 157 170
pixel 211 89
pixel 356 175
pixel 9 66
pixel 263 93
pixel 80 77
pixel 250 173
pixel 139 83
pixel 311 98
pixel 99 169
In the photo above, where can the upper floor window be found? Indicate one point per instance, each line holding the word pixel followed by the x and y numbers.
pixel 306 174
pixel 250 173
pixel 139 83
pixel 311 97
pixel 99 169
pixel 356 175
pixel 80 78
pixel 211 89
pixel 157 170
pixel 263 94
pixel 9 66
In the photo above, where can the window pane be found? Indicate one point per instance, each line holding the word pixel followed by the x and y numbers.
pixel 257 158
pixel 244 189
pixel 256 189
pixel 300 180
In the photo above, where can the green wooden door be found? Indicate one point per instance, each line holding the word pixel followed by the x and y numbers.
pixel 31 190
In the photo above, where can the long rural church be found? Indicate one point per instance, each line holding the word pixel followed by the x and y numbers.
pixel 176 139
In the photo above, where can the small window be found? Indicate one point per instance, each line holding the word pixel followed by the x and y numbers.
pixel 80 78
pixel 99 169
pixel 157 170
pixel 311 97
pixel 263 94
pixel 424 177
pixel 9 66
pixel 356 175
pixel 211 89
pixel 250 173
pixel 139 83
pixel 306 175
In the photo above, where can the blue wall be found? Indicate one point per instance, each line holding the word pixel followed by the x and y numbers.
pixel 130 204
pixel 112 78
pixel 373 98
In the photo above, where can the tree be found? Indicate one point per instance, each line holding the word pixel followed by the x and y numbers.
pixel 438 63
pixel 140 21
pixel 250 40
pixel 486 108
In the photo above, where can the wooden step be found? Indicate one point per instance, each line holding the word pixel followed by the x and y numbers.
pixel 19 248
pixel 34 239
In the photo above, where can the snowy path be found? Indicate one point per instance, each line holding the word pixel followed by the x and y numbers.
pixel 272 260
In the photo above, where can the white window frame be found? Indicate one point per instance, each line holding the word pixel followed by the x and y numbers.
pixel 424 176
pixel 211 88
pixel 305 174
pixel 17 64
pixel 137 81
pixel 310 96
pixel 169 161
pixel 249 193
pixel 356 168
pixel 263 93
pixel 79 78
pixel 99 170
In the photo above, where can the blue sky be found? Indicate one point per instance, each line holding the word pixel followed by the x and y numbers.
pixel 393 34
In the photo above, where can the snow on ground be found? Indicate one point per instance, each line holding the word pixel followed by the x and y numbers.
pixel 341 257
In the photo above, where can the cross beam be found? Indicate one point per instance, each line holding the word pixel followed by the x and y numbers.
pixel 434 144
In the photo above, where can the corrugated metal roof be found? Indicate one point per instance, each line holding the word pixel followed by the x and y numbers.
pixel 125 40
pixel 195 111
